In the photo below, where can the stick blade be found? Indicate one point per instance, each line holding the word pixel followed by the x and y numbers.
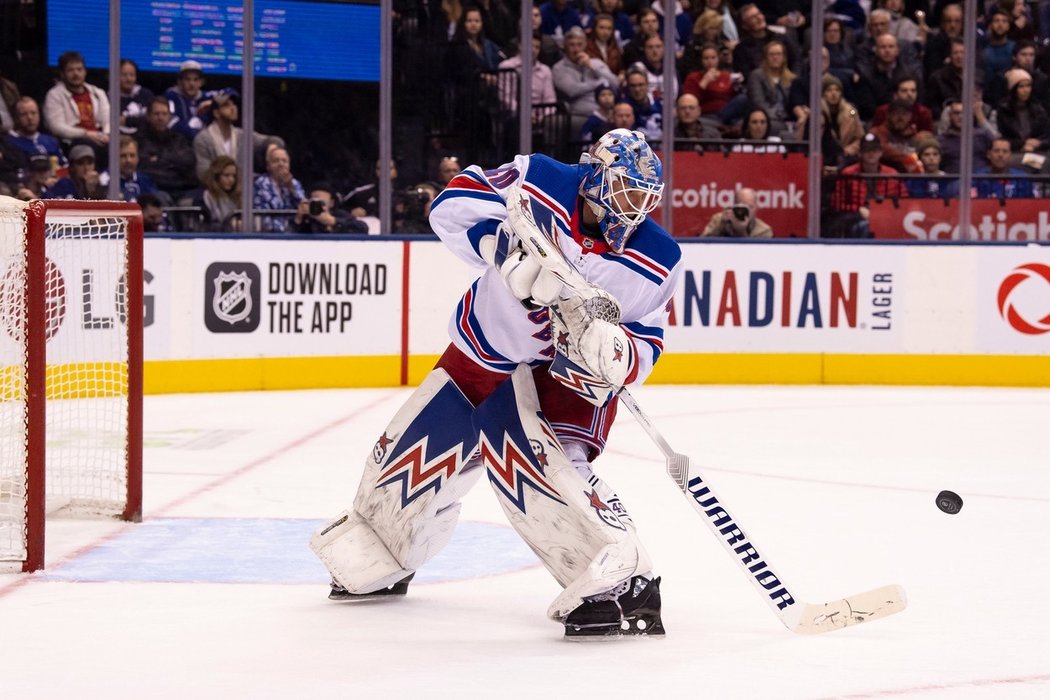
pixel 854 610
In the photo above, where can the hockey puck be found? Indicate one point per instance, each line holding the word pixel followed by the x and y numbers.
pixel 949 502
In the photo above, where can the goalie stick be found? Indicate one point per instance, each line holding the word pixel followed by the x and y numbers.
pixel 798 616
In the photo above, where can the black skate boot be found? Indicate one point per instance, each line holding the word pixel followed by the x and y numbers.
pixel 630 610
pixel 398 589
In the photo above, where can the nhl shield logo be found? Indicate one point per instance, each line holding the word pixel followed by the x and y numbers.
pixel 231 302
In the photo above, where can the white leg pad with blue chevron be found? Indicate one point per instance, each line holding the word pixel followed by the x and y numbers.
pixel 571 520
pixel 407 503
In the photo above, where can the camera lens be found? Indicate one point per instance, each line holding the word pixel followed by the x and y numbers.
pixel 741 213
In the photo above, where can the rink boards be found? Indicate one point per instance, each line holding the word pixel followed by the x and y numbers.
pixel 244 314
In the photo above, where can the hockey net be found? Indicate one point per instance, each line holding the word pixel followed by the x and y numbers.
pixel 70 368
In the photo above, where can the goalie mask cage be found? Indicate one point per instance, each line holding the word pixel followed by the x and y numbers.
pixel 70 368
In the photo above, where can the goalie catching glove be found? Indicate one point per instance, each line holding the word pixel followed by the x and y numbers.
pixel 526 279
pixel 594 357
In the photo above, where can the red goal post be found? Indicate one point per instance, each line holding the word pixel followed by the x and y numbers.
pixel 71 319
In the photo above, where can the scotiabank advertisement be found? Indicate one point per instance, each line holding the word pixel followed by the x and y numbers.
pixel 705 183
pixel 934 220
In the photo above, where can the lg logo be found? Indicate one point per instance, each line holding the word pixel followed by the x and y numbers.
pixel 1026 279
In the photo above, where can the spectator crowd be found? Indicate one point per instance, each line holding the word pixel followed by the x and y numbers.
pixel 890 110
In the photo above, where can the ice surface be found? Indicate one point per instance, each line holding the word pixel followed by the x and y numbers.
pixel 216 595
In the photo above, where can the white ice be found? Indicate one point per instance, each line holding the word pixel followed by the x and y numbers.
pixel 836 484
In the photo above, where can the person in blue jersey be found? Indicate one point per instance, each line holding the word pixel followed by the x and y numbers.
pixel 524 394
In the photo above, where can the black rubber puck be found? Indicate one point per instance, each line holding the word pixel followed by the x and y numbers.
pixel 949 502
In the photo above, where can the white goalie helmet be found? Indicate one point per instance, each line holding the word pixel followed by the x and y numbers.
pixel 624 185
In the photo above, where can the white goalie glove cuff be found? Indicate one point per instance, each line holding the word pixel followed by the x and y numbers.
pixel 523 275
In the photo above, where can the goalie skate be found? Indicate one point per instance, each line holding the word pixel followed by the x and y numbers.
pixel 633 613
pixel 398 589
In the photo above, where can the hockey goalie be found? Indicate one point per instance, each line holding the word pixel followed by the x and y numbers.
pixel 526 391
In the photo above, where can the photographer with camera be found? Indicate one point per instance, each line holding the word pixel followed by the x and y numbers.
pixel 412 208
pixel 318 214
pixel 740 220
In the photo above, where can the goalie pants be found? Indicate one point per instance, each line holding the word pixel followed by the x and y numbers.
pixel 572 418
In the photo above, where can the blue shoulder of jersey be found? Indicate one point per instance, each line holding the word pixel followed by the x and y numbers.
pixel 651 252
pixel 559 181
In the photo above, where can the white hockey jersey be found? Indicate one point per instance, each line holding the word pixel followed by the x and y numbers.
pixel 490 325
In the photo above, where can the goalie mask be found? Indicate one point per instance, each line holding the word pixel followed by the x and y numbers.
pixel 624 184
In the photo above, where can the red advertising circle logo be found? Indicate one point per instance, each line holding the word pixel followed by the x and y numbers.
pixel 1023 273
pixel 12 295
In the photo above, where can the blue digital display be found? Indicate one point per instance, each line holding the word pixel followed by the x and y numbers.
pixel 323 40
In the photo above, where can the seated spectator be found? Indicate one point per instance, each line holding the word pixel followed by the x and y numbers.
pixel 132 183
pixel 690 125
pixel 707 30
pixel 27 137
pixel 756 128
pixel 364 200
pixel 165 155
pixel 841 122
pixel 652 65
pixel 768 86
pixel 739 220
pixel 713 86
pixel 577 76
pixel 82 181
pixel 222 136
pixel 602 44
pixel 134 99
pixel 189 104
pixel 154 220
pixel 683 24
pixel 558 17
pixel 550 50
pixel 848 215
pixel 648 112
pixel 880 21
pixel 623 30
pixel 945 83
pixel 841 59
pixel 798 94
pixel 1022 28
pixel 1022 120
pixel 997 54
pixel 898 138
pixel 318 214
pixel 38 178
pixel 1024 58
pixel 600 121
pixel 949 133
pixel 277 189
pixel 729 28
pixel 471 53
pixel 754 35
pixel 878 77
pixel 76 111
pixel 902 26
pixel 938 42
pixel 930 156
pixel 648 25
pixel 998 163
pixel 907 91
pixel 448 168
pixel 542 85
pixel 220 198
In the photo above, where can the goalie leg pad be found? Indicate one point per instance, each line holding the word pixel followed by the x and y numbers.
pixel 355 556
pixel 408 498
pixel 587 544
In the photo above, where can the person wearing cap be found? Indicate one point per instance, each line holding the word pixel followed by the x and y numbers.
pixel 848 213
pixel 132 182
pixel 929 152
pixel 75 110
pixel 222 137
pixel 840 116
pixel 897 138
pixel 600 120
pixel 189 104
pixel 82 181
pixel 1022 120
pixel 36 179
pixel 740 219
pixel 27 137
